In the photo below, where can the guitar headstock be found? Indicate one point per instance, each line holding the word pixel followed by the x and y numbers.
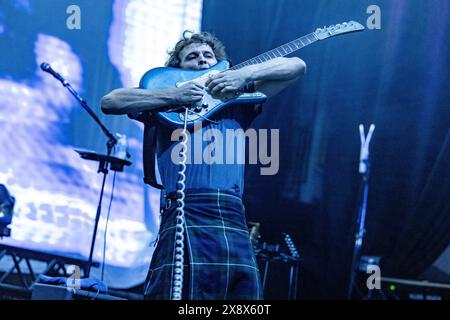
pixel 335 30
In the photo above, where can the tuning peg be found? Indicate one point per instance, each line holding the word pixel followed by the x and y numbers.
pixel 338 26
pixel 344 24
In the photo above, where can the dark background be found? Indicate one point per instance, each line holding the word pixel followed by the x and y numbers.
pixel 397 78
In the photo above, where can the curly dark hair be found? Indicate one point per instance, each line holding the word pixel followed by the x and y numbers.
pixel 202 37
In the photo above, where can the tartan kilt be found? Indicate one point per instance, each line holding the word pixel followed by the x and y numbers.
pixel 219 262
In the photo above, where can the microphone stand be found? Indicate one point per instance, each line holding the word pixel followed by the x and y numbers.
pixel 112 141
pixel 104 161
pixel 364 170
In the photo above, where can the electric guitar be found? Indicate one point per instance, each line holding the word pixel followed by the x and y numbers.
pixel 167 77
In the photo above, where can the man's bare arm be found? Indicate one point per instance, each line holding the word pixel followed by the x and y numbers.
pixel 270 77
pixel 126 101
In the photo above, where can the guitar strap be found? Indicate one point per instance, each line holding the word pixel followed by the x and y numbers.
pixel 149 147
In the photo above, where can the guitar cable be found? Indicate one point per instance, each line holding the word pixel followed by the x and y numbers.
pixel 177 272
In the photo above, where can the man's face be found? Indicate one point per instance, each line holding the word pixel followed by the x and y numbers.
pixel 197 56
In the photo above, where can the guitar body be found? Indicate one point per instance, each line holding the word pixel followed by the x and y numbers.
pixel 166 77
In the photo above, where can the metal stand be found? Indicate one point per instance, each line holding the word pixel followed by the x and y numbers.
pixel 269 254
pixel 104 160
pixel 56 265
pixel 364 169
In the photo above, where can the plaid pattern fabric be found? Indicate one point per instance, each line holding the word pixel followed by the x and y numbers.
pixel 219 260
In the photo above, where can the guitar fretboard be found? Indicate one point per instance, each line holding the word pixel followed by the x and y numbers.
pixel 280 51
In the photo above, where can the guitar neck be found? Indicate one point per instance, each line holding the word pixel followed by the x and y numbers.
pixel 280 51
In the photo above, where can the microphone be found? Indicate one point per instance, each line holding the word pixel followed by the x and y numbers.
pixel 47 68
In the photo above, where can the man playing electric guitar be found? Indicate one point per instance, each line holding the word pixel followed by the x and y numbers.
pixel 219 262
